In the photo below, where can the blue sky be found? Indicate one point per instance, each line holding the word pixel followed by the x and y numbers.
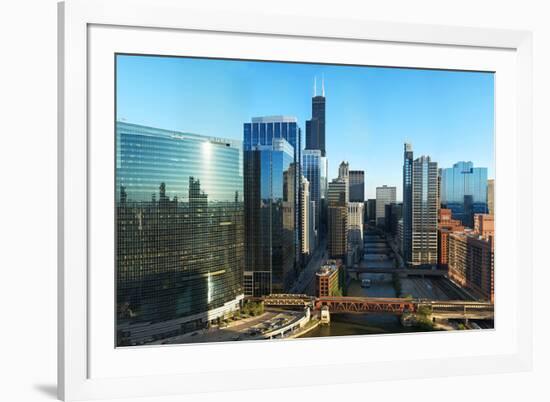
pixel 370 111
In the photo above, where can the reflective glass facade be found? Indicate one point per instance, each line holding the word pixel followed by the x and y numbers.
pixel 264 131
pixel 270 224
pixel 314 169
pixel 179 231
pixel 464 191
pixel 356 186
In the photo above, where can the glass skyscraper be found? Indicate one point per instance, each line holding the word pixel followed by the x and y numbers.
pixel 179 231
pixel 263 131
pixel 464 191
pixel 356 186
pixel 406 238
pixel 315 168
pixel 270 224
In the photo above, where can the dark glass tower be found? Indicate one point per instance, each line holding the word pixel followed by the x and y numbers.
pixel 356 186
pixel 263 131
pixel 269 188
pixel 406 247
pixel 179 227
pixel 315 128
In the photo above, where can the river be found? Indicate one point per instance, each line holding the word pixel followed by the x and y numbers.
pixel 381 286
pixel 363 324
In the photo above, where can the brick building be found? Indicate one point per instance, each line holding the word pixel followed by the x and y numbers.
pixel 446 225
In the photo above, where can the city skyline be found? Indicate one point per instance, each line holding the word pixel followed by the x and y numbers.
pixel 376 108
pixel 266 234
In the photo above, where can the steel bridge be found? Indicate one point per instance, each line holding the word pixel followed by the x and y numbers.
pixel 366 305
pixel 454 309
pixel 285 300
pixel 408 272
pixel 460 309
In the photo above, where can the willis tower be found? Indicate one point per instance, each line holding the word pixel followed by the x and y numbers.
pixel 315 128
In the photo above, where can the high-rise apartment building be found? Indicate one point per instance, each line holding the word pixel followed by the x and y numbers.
pixel 357 186
pixel 315 128
pixel 471 263
pixel 406 238
pixel 424 212
pixel 308 240
pixel 445 225
pixel 464 191
pixel 270 224
pixel 179 224
pixel 384 195
pixel 337 219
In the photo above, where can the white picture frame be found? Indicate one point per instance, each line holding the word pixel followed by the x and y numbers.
pixel 79 377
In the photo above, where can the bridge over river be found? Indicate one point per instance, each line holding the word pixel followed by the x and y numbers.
pixel 454 309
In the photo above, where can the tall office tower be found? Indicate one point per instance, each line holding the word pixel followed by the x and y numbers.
pixel 464 191
pixel 315 168
pixel 394 213
pixel 491 196
pixel 343 174
pixel 262 131
pixel 355 224
pixel 356 186
pixel 406 238
pixel 179 223
pixel 337 219
pixel 424 212
pixel 315 128
pixel 311 167
pixel 384 195
pixel 308 240
pixel 371 211
pixel 269 189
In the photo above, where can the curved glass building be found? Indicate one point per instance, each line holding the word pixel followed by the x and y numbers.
pixel 179 231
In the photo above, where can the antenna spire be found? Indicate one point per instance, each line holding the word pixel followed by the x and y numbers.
pixel 314 86
pixel 323 85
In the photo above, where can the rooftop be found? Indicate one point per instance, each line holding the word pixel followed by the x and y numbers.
pixel 138 129
pixel 275 119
